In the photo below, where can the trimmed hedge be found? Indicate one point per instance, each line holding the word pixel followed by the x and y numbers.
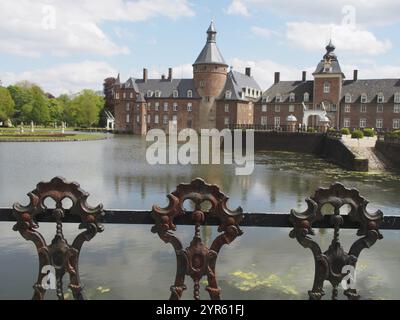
pixel 345 131
pixel 357 134
pixel 311 130
pixel 369 132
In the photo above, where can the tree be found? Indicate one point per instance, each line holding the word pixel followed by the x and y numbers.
pixel 84 110
pixel 56 109
pixel 6 104
pixel 40 108
pixel 21 96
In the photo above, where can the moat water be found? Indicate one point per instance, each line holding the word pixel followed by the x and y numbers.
pixel 129 262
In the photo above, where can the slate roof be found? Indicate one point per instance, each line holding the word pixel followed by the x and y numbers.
pixel 284 88
pixel 166 87
pixel 371 87
pixel 210 53
pixel 335 67
pixel 235 82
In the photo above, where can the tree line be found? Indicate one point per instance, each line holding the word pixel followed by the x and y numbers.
pixel 26 102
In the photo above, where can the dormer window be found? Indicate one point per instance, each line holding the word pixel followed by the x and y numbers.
pixel 397 97
pixel 348 98
pixel 190 94
pixel 327 87
pixel 278 98
pixel 292 97
pixel 364 98
pixel 228 94
pixel 158 94
pixel 381 98
pixel 265 99
pixel 149 93
pixel 306 97
pixel 175 94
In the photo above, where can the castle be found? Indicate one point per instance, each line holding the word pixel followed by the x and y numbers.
pixel 219 97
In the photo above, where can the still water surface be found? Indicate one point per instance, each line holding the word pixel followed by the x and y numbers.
pixel 129 262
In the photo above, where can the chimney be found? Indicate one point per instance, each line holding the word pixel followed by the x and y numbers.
pixel 163 77
pixel 248 72
pixel 170 72
pixel 145 75
pixel 355 75
pixel 304 77
pixel 277 77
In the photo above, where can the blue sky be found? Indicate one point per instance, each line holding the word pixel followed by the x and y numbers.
pixel 67 46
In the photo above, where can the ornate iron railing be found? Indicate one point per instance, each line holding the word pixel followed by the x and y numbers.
pixel 197 260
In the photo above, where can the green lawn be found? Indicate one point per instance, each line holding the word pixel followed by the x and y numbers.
pixel 48 137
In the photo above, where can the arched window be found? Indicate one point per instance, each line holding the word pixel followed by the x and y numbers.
pixel 348 98
pixel 228 94
pixel 158 94
pixel 292 97
pixel 175 94
pixel 190 94
pixel 306 97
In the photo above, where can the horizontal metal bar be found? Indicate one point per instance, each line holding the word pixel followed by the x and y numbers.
pixel 274 220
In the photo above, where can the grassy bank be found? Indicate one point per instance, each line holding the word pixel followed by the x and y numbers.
pixel 49 137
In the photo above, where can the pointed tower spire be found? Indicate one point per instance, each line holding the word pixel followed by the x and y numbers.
pixel 118 81
pixel 330 54
pixel 212 33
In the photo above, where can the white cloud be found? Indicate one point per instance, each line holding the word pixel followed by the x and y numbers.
pixel 68 77
pixel 32 28
pixel 237 7
pixel 350 38
pixel 263 32
pixel 367 12
pixel 263 70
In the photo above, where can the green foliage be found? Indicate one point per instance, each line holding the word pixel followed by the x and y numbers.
pixel 40 113
pixel 357 134
pixel 84 110
pixel 395 133
pixel 6 104
pixel 369 132
pixel 311 130
pixel 345 131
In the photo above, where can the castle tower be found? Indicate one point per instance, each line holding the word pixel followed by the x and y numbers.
pixel 328 81
pixel 209 74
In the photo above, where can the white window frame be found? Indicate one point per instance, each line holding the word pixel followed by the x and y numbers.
pixel 175 107
pixel 128 106
pixel 396 123
pixel 149 93
pixel 157 94
pixel 346 122
pixel 327 87
pixel 165 119
pixel 156 106
pixel 278 98
pixel 277 108
pixel 264 120
pixel 226 121
pixel 190 94
pixel 396 108
pixel 347 98
pixel 364 98
pixel 347 108
pixel 397 97
pixel 138 118
pixel 381 98
pixel 363 108
pixel 306 97
pixel 363 123
pixel 292 97
pixel 264 108
pixel 149 118
pixel 189 107
pixel 379 108
pixel 117 95
pixel 228 94
pixel 131 95
pixel 226 107
pixel 379 123
pixel 128 118
pixel 156 119
pixel 277 122
pixel 166 106
pixel 291 108
pixel 175 94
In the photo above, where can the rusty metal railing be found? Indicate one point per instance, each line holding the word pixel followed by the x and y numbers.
pixel 197 260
